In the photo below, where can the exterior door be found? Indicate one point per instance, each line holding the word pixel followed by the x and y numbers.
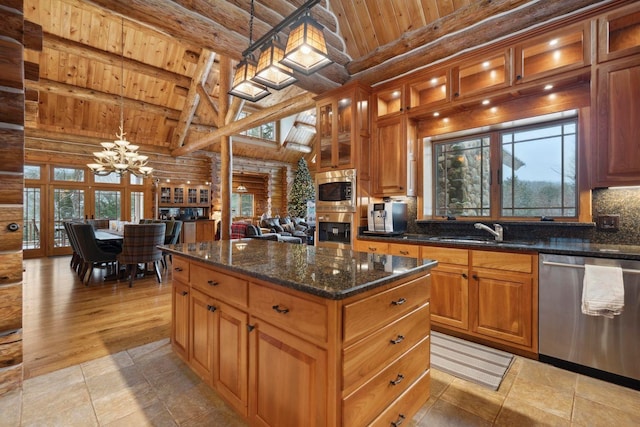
pixel 34 229
pixel 68 204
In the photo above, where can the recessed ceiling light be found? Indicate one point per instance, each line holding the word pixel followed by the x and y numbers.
pixel 486 64
pixel 548 87
pixel 436 114
pixel 485 102
pixel 553 42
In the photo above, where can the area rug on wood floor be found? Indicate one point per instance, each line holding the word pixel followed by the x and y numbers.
pixel 470 361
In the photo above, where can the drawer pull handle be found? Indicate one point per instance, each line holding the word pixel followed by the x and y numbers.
pixel 185 293
pixel 212 283
pixel 398 340
pixel 404 252
pixel 178 269
pixel 399 421
pixel 280 310
pixel 373 249
pixel 399 302
pixel 211 308
pixel 398 380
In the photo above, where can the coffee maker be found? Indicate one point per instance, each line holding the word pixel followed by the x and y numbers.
pixel 387 218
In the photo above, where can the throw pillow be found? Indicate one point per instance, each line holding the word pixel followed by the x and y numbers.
pixel 288 227
pixel 278 228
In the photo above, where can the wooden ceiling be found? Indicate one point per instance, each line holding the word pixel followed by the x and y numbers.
pixel 160 60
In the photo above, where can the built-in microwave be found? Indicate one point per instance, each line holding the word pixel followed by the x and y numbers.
pixel 336 191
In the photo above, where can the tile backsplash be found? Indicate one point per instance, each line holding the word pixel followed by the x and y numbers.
pixel 624 202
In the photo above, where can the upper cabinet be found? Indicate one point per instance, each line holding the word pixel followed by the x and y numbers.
pixel 429 89
pixel 343 117
pixel 619 33
pixel 180 195
pixel 480 75
pixel 553 53
pixel 389 101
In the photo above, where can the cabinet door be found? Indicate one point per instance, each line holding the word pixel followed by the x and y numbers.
pixel 450 296
pixel 201 346
pixel 500 305
pixel 390 157
pixel 291 392
pixel 618 106
pixel 231 368
pixel 180 322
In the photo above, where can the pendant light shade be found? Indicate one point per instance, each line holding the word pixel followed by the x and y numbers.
pixel 306 50
pixel 269 71
pixel 243 85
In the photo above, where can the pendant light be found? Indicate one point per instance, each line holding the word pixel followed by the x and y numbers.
pixel 306 50
pixel 243 85
pixel 269 71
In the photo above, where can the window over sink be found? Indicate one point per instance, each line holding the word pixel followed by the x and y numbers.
pixel 522 170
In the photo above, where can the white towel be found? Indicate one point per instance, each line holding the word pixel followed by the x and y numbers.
pixel 602 291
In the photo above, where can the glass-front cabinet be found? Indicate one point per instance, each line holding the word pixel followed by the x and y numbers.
pixel 619 33
pixel 482 74
pixel 429 89
pixel 341 117
pixel 553 53
pixel 183 195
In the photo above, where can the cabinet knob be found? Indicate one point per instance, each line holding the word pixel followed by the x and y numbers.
pixel 518 77
pixel 464 275
pixel 456 94
pixel 475 277
pixel 185 293
pixel 211 308
pixel 280 310
pixel 14 226
pixel 398 380
pixel 178 269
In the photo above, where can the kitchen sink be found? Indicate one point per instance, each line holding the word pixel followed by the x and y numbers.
pixel 475 240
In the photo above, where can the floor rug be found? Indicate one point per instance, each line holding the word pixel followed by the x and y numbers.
pixel 470 361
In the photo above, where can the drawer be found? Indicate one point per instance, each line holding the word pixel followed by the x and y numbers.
pixel 378 247
pixel 370 355
pixel 446 255
pixel 293 314
pixel 369 314
pixel 404 250
pixel 508 261
pixel 180 268
pixel 407 405
pixel 364 405
pixel 219 285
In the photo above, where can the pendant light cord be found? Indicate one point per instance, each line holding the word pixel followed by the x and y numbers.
pixel 122 76
pixel 251 25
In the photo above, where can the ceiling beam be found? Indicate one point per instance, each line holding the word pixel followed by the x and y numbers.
pixel 205 62
pixel 287 108
pixel 403 55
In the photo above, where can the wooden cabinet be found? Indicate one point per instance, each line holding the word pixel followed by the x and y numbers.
pixel 617 146
pixel 389 101
pixel 486 294
pixel 450 286
pixel 501 296
pixel 342 118
pixel 481 75
pixel 286 358
pixel 412 251
pixel 180 318
pixel 287 379
pixel 205 230
pixel 619 33
pixel 428 89
pixel 181 195
pixel 553 53
pixel 394 159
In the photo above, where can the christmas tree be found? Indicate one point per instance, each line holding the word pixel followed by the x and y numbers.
pixel 302 190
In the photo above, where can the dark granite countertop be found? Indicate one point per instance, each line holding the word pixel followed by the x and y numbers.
pixel 559 246
pixel 325 272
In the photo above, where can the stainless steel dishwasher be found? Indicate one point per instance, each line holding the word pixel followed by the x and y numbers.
pixel 593 345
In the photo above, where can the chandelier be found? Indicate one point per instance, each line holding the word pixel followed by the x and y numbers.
pixel 305 52
pixel 120 156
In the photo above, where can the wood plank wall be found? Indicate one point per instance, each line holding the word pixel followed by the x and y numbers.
pixel 11 176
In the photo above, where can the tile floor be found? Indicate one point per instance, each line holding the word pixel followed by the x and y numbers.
pixel 150 386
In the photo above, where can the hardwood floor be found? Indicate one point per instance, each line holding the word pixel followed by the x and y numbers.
pixel 66 323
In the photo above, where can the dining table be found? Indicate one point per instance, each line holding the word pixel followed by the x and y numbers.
pixel 107 235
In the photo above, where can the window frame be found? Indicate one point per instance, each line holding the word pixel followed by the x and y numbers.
pixel 429 189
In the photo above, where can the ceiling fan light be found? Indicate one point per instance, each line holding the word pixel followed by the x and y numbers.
pixel 306 50
pixel 243 85
pixel 270 72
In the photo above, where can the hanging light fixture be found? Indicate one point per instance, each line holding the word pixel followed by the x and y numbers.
pixel 241 189
pixel 270 71
pixel 120 156
pixel 243 86
pixel 306 52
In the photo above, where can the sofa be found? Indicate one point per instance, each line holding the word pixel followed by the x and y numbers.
pixel 243 230
pixel 285 226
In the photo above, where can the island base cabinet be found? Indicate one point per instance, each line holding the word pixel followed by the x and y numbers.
pixel 180 323
pixel 287 379
pixel 407 405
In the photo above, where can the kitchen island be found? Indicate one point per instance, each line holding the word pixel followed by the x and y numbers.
pixel 304 335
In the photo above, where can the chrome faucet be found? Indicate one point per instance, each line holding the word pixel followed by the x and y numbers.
pixel 497 233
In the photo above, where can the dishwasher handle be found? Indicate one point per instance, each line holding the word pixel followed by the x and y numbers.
pixel 581 266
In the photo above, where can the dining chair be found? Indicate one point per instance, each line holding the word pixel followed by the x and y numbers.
pixel 171 239
pixel 90 252
pixel 140 246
